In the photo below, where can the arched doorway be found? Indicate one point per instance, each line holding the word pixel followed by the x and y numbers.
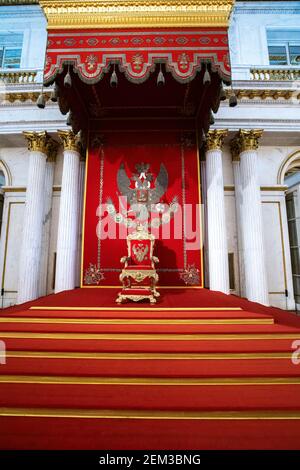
pixel 291 179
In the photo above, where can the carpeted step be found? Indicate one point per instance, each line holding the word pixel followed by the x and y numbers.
pixel 135 328
pixel 171 397
pixel 141 313
pixel 151 368
pixel 114 325
pixel 193 371
pixel 131 431
pixel 269 344
pixel 144 332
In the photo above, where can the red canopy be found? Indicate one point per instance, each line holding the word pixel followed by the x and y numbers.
pixel 91 52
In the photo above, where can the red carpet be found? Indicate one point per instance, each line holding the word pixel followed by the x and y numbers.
pixel 199 370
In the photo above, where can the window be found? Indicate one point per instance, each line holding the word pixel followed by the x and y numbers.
pixel 10 50
pixel 284 47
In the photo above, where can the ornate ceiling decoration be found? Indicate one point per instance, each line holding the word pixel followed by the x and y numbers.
pixel 136 13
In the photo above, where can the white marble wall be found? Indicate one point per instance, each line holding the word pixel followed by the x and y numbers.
pixel 276 237
pixel 30 20
pixel 248 32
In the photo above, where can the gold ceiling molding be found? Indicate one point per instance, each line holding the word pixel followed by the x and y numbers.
pixel 136 13
pixel 252 94
pixel 276 95
pixel 30 96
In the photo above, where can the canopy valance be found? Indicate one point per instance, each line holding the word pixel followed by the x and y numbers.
pixel 91 53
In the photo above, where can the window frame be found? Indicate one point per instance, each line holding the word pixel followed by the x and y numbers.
pixel 286 43
pixel 10 48
pixel 273 44
pixel 18 45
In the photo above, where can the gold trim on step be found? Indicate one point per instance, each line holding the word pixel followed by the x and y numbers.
pixel 138 321
pixel 141 309
pixel 150 414
pixel 150 336
pixel 146 356
pixel 182 381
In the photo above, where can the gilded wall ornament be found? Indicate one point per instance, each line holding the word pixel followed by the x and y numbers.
pixel 93 275
pixel 191 275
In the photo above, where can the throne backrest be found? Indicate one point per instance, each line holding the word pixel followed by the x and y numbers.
pixel 140 246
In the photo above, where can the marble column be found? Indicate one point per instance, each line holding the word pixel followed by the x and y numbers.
pixel 48 193
pixel 238 214
pixel 80 215
pixel 67 237
pixel 256 287
pixel 30 259
pixel 216 222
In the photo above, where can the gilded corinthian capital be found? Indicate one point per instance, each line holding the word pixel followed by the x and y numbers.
pixel 215 139
pixel 245 140
pixel 249 139
pixel 37 141
pixel 70 140
pixel 41 142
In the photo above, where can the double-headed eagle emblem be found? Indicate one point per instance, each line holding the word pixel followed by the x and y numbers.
pixel 144 192
pixel 143 195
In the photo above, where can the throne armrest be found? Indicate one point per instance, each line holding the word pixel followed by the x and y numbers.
pixel 155 259
pixel 124 259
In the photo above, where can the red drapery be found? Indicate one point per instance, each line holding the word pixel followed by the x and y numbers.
pixel 178 237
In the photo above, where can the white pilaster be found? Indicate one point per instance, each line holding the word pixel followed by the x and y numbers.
pixel 217 236
pixel 256 287
pixel 67 238
pixel 28 284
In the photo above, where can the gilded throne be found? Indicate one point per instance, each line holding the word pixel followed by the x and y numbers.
pixel 139 276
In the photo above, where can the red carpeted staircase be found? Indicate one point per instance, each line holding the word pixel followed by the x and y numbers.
pixel 200 370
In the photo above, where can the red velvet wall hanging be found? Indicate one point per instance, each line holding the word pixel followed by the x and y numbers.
pixel 151 177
